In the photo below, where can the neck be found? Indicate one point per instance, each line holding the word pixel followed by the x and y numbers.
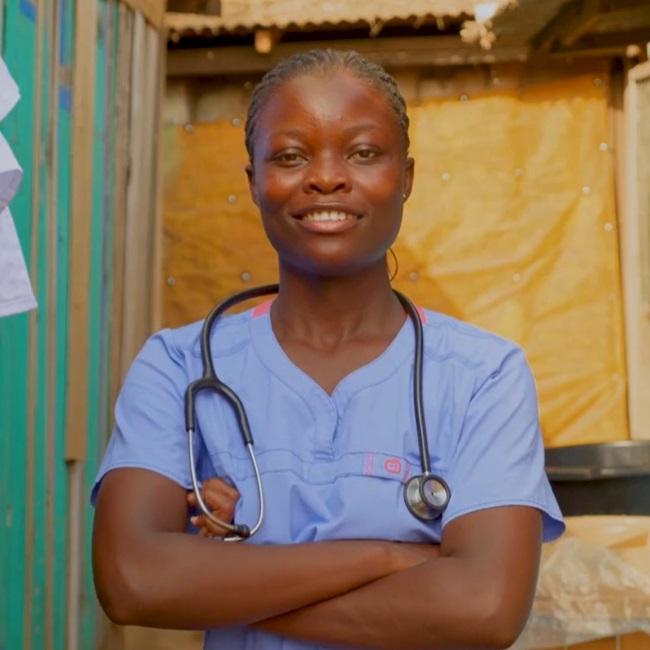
pixel 329 311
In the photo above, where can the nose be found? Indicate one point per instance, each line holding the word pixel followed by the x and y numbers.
pixel 327 174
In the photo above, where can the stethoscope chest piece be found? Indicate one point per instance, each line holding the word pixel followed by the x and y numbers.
pixel 426 496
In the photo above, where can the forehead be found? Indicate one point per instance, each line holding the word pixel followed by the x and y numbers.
pixel 326 96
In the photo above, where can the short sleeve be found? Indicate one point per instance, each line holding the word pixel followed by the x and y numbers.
pixel 149 430
pixel 499 460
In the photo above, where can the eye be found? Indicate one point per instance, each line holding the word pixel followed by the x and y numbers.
pixel 364 154
pixel 288 158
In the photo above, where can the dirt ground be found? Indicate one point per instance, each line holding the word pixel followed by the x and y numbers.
pixel 137 638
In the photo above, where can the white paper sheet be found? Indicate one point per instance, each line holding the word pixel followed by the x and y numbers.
pixel 9 93
pixel 16 293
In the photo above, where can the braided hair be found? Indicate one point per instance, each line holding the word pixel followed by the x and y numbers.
pixel 323 61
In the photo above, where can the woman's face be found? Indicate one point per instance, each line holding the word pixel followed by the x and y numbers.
pixel 329 173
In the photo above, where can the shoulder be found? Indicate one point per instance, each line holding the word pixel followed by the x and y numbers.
pixel 228 335
pixel 482 353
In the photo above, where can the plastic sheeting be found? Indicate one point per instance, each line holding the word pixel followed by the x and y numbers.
pixel 594 583
pixel 511 226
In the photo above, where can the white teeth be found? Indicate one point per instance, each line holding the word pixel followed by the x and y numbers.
pixel 327 216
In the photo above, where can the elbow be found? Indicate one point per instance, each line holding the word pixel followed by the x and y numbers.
pixel 502 622
pixel 118 586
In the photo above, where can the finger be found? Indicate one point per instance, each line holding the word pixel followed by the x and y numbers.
pixel 220 502
pixel 208 527
pixel 201 521
pixel 219 489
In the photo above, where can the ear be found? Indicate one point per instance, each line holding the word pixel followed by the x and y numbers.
pixel 408 177
pixel 251 182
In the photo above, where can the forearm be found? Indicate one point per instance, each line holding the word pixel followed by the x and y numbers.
pixel 439 604
pixel 179 581
pixel 149 572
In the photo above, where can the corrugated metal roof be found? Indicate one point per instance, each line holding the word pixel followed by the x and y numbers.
pixel 247 15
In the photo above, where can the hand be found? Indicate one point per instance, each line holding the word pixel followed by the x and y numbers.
pixel 221 498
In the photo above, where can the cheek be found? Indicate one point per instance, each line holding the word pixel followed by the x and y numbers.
pixel 385 189
pixel 273 190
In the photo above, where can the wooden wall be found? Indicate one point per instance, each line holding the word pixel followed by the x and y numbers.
pixel 84 132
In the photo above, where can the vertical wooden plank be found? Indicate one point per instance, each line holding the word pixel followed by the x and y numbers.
pixel 132 275
pixel 98 298
pixel 62 60
pixel 76 407
pixel 54 467
pixel 138 259
pixel 121 166
pixel 158 234
pixel 83 75
pixel 121 171
pixel 637 321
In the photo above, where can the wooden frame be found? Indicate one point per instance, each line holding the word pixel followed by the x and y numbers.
pixel 210 7
pixel 391 52
pixel 637 316
pixel 152 10
pixel 576 19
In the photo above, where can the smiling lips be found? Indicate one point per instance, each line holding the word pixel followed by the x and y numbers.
pixel 328 221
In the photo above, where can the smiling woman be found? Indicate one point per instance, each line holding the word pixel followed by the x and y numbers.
pixel 323 163
pixel 325 373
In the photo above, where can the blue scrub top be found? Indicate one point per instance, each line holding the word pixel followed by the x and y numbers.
pixel 334 466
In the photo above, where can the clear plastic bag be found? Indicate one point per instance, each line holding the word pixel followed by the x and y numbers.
pixel 594 583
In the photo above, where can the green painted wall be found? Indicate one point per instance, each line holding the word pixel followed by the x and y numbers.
pixel 36 42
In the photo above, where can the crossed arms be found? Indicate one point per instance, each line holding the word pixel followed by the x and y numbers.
pixel 474 590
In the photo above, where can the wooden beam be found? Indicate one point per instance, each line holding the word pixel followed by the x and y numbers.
pixel 391 52
pixel 587 16
pixel 571 22
pixel 209 7
pixel 574 22
pixel 152 10
pixel 613 44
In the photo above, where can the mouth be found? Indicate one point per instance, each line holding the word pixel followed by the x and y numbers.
pixel 327 221
pixel 323 216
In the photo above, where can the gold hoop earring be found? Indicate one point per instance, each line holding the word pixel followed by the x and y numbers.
pixel 391 277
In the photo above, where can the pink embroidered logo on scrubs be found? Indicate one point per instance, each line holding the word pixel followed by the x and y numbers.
pixel 393 465
pixel 380 465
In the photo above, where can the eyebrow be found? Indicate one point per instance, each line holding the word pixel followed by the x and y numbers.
pixel 353 128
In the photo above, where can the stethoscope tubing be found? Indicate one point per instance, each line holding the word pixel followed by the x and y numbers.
pixel 210 381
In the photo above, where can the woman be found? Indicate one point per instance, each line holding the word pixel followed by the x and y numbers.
pixel 325 373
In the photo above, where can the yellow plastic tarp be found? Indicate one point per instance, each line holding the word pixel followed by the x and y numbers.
pixel 511 226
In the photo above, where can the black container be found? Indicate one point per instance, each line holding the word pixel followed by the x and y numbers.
pixel 610 478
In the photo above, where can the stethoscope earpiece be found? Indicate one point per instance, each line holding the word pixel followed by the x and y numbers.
pixel 426 496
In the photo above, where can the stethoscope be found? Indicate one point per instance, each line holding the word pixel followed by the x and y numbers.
pixel 426 495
